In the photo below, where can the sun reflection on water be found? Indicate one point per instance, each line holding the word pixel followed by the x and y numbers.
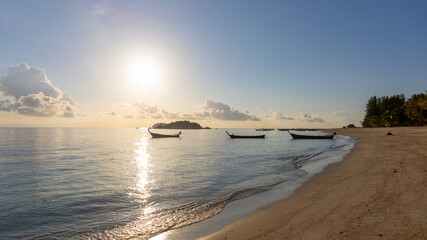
pixel 141 189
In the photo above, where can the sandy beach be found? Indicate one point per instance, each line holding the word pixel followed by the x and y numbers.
pixel 379 191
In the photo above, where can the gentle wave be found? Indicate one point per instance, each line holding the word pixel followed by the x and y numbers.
pixel 150 226
pixel 120 183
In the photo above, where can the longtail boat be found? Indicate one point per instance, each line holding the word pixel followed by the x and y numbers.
pixel 158 135
pixel 245 136
pixel 298 136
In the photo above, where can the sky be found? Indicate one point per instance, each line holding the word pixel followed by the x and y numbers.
pixel 219 63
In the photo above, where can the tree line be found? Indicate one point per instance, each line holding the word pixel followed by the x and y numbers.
pixel 396 111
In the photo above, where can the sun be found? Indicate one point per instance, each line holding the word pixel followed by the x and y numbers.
pixel 143 72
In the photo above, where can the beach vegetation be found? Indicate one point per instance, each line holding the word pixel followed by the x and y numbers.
pixel 373 113
pixel 396 111
pixel 416 109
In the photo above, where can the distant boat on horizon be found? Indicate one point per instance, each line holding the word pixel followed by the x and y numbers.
pixel 264 129
pixel 244 136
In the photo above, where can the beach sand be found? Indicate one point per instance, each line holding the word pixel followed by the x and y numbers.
pixel 379 191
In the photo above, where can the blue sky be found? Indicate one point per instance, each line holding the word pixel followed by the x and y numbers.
pixel 253 59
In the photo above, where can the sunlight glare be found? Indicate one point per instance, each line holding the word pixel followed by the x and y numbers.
pixel 143 72
pixel 141 189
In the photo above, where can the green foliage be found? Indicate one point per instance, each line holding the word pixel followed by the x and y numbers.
pixel 373 113
pixel 395 111
pixel 416 109
pixel 392 111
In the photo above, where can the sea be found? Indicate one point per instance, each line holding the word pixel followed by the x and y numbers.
pixel 71 183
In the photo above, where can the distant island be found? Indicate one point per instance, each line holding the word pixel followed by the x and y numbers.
pixel 179 125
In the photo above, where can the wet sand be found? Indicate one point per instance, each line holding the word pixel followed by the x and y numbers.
pixel 379 191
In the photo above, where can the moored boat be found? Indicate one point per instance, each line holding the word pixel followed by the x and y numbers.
pixel 158 135
pixel 245 136
pixel 299 136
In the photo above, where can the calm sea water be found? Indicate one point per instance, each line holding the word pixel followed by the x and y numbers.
pixel 120 183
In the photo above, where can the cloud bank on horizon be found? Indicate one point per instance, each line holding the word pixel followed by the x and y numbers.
pixel 33 94
pixel 209 110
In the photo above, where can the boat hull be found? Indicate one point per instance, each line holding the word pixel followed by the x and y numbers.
pixel 243 136
pixel 298 136
pixel 158 135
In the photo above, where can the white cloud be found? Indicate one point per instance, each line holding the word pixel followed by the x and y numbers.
pixel 128 116
pixel 221 111
pixel 33 94
pixel 309 118
pixel 279 116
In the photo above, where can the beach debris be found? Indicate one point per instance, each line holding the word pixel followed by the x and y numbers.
pixel 380 235
pixel 296 165
pixel 389 134
pixel 395 171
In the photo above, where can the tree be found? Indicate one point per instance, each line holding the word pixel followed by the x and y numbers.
pixel 385 111
pixel 373 113
pixel 416 108
pixel 392 111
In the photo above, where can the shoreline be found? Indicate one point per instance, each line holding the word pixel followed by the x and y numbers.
pixel 234 210
pixel 378 190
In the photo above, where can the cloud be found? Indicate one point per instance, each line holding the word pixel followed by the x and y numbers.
pixel 6 105
pixel 128 116
pixel 309 118
pixel 209 110
pixel 156 116
pixel 145 108
pixel 98 9
pixel 169 115
pixel 33 94
pixel 142 116
pixel 68 114
pixel 341 113
pixel 279 116
pixel 151 109
pixel 221 111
